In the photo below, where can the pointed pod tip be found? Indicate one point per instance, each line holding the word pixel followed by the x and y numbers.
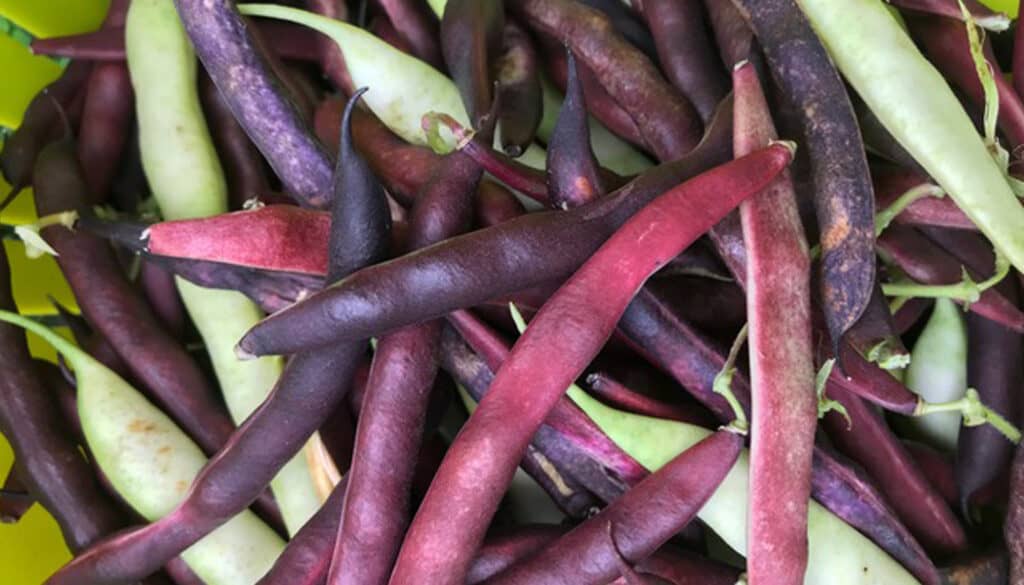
pixel 243 354
pixel 346 117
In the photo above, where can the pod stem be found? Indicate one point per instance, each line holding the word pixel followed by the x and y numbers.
pixel 887 215
pixel 69 350
pixel 35 245
pixel 967 290
pixel 975 414
pixel 722 384
pixel 986 77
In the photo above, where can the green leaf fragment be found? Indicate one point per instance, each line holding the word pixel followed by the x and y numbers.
pixel 826 404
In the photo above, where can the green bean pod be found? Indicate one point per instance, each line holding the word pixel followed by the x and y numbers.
pixel 404 88
pixel 186 178
pixel 392 74
pixel 938 373
pixel 837 553
pixel 151 463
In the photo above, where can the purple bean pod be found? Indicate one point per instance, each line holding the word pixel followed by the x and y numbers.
pixel 573 173
pixel 521 100
pixel 687 52
pixel 667 121
pixel 226 48
pixel 808 83
pixel 867 440
pixel 392 419
pixel 307 556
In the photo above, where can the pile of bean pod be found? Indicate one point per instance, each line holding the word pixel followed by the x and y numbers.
pixel 526 291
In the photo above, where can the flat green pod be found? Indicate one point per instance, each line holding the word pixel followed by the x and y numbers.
pixel 187 181
pixel 151 463
pixel 838 554
pixel 938 373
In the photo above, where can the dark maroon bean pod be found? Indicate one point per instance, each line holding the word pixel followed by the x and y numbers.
pixel 687 52
pixel 572 169
pixel 521 101
pixel 667 121
pixel 867 440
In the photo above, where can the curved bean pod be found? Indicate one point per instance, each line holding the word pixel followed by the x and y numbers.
pixel 938 373
pixel 617 395
pixel 519 90
pixel 163 68
pixel 107 44
pixel 838 555
pixel 637 523
pixel 666 120
pixel 732 34
pixel 573 176
pixel 927 263
pixel 106 120
pixel 494 458
pixel 307 556
pixel 869 441
pixel 37 126
pixel 311 386
pixel 116 309
pixel 932 211
pixel 228 52
pixel 694 362
pixel 687 53
pixel 392 418
pixel 600 103
pixel 51 464
pixel 367 57
pixel 945 43
pixel 470 40
pixel 993 368
pixel 507 250
pixel 574 443
pixel 613 152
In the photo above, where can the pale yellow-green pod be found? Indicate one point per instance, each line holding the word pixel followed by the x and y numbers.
pixel 187 181
pixel 151 463
pixel 837 553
